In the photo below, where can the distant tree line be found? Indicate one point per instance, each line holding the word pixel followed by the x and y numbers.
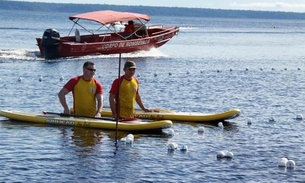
pixel 151 10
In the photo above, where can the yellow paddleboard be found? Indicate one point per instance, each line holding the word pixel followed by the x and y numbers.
pixel 162 114
pixel 86 122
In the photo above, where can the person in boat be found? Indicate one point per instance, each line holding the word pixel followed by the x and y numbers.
pixel 87 93
pixel 128 88
pixel 129 29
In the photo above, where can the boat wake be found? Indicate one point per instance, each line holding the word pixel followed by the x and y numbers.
pixel 30 55
pixel 152 53
pixel 11 54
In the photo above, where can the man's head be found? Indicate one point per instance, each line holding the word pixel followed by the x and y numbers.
pixel 129 68
pixel 88 70
pixel 130 64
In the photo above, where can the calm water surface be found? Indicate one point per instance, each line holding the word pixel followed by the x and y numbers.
pixel 212 65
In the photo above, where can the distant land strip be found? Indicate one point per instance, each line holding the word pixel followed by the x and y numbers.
pixel 150 10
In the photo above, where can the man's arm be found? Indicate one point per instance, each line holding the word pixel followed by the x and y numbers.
pixel 112 103
pixel 62 99
pixel 100 104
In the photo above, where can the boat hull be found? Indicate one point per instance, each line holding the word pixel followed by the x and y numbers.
pixel 86 122
pixel 159 114
pixel 104 44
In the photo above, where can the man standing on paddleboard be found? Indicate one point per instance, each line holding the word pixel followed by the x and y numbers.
pixel 128 88
pixel 87 93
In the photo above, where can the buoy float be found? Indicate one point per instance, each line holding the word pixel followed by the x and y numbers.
pixel 283 162
pixel 201 129
pixel 220 125
pixel 271 119
pixel 229 154
pixel 290 164
pixel 225 154
pixel 221 154
pixel 184 148
pixel 128 139
pixel 172 146
pixel 299 117
pixel 171 132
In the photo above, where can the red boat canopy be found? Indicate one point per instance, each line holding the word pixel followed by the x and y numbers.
pixel 108 16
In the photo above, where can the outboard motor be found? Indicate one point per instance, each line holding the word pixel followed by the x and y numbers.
pixel 50 42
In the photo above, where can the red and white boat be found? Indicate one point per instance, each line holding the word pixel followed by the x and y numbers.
pixel 106 33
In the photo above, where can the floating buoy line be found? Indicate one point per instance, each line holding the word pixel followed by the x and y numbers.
pixel 155 74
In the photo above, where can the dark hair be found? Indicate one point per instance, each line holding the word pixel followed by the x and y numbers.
pixel 130 22
pixel 88 63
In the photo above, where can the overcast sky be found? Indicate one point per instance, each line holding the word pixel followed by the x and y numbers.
pixel 269 5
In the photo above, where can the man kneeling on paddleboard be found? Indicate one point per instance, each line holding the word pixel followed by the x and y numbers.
pixel 87 93
pixel 128 88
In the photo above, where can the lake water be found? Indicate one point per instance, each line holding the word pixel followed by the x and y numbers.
pixel 211 66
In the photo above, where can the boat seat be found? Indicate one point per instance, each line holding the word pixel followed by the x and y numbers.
pixel 77 36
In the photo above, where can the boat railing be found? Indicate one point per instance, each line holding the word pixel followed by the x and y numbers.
pixel 154 26
pixel 172 29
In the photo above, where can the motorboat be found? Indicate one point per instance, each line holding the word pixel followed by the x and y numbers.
pixel 106 32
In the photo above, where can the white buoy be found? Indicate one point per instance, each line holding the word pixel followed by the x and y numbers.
pixel 129 140
pixel 100 76
pixel 184 148
pixel 20 79
pixel 283 162
pixel 138 75
pixel 220 125
pixel 221 154
pixel 290 164
pixel 171 132
pixel 130 136
pixel 299 117
pixel 40 79
pixel 172 146
pixel 201 129
pixel 61 78
pixel 123 139
pixel 249 122
pixel 271 119
pixel 229 154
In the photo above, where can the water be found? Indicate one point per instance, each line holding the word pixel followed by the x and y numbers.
pixel 211 66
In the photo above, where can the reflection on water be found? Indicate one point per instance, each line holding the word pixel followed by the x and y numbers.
pixel 85 137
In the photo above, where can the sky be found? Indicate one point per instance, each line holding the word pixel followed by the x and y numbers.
pixel 265 5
